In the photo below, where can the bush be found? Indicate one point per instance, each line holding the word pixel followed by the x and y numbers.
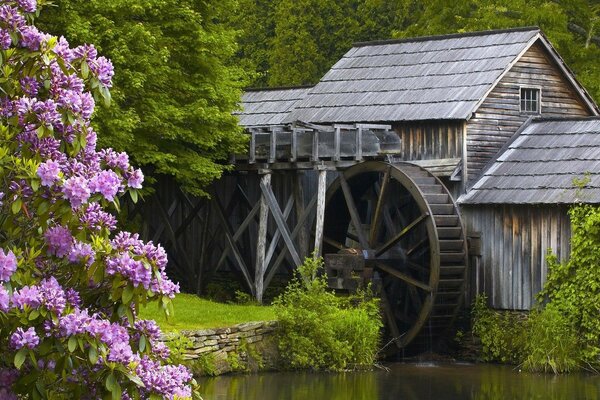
pixel 503 335
pixel 70 283
pixel 319 330
pixel 552 344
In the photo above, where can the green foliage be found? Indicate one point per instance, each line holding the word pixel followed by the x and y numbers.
pixel 573 287
pixel 551 343
pixel 503 335
pixel 204 365
pixel 319 330
pixel 175 84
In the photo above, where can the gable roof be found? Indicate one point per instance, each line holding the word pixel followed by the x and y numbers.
pixel 264 107
pixel 426 78
pixel 548 161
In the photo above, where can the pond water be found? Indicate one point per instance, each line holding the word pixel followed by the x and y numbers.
pixel 429 381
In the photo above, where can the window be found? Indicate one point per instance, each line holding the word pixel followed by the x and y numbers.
pixel 530 100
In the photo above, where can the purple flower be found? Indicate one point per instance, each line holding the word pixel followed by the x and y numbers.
pixel 4 300
pixel 82 252
pixel 27 6
pixel 63 50
pixel 73 297
pixel 86 51
pixel 5 39
pixel 120 352
pixel 32 38
pixel 135 270
pixel 59 240
pixel 76 190
pixel 21 338
pixel 27 296
pixel 107 183
pixel 168 381
pixel 135 179
pixel 96 219
pixel 11 17
pixel 29 85
pixel 104 70
pixel 8 265
pixel 48 171
pixel 53 295
pixel 74 323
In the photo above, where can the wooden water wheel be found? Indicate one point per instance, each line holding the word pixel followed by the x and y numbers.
pixel 402 224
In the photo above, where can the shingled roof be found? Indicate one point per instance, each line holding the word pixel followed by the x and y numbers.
pixel 548 161
pixel 265 107
pixel 425 78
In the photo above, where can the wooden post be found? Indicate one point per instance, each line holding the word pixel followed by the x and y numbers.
pixel 273 145
pixel 252 150
pixel 260 268
pixel 359 138
pixel 320 211
pixel 337 143
pixel 299 201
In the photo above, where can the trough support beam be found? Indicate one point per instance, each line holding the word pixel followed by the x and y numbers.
pixel 320 212
pixel 299 201
pixel 259 272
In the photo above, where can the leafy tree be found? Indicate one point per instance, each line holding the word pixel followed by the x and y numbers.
pixel 70 284
pixel 175 86
pixel 310 36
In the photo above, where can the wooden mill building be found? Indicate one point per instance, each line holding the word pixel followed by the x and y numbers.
pixel 399 154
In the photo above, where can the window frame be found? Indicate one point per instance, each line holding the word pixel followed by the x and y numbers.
pixel 537 89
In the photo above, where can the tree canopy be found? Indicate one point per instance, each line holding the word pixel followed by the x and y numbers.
pixel 299 41
pixel 175 84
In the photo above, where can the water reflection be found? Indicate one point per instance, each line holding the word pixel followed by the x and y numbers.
pixel 406 382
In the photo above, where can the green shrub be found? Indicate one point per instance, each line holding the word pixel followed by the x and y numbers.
pixel 552 344
pixel 319 330
pixel 503 335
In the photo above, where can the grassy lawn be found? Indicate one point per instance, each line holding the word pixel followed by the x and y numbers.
pixel 193 312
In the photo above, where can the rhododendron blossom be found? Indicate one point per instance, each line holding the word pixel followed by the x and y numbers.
pixel 70 283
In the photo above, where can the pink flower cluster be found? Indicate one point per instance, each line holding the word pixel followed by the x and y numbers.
pixel 61 184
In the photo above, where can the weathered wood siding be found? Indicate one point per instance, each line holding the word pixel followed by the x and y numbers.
pixel 514 243
pixel 429 140
pixel 499 117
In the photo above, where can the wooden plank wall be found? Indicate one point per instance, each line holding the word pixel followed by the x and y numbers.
pixel 499 117
pixel 514 242
pixel 428 140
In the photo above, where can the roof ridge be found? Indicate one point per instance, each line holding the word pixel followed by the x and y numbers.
pixel 558 119
pixel 267 89
pixel 446 36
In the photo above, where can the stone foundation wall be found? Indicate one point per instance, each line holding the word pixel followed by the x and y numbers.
pixel 246 347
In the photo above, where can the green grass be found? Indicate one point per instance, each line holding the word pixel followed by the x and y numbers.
pixel 193 312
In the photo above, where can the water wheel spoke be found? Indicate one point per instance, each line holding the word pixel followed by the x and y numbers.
pixel 376 220
pixel 417 246
pixel 334 243
pixel 406 278
pixel 416 299
pixel 353 210
pixel 390 318
pixel 392 242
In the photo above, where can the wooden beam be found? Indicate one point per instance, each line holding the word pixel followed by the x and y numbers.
pixel 298 190
pixel 354 216
pixel 385 247
pixel 229 237
pixel 273 245
pixel 379 207
pixel 408 279
pixel 301 221
pixel 280 221
pixel 322 186
pixel 261 243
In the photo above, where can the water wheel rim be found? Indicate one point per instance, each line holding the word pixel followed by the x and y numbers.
pixel 396 173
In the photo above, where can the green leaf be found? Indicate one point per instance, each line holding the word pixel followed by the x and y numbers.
pixel 16 206
pixel 110 382
pixel 142 344
pixel 127 294
pixel 20 357
pixel 33 315
pixel 134 195
pixel 85 70
pixel 72 344
pixel 93 355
